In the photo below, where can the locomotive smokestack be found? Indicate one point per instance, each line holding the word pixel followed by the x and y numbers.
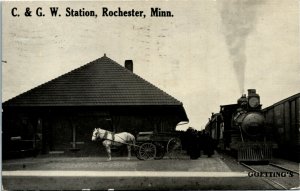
pixel 129 65
pixel 251 92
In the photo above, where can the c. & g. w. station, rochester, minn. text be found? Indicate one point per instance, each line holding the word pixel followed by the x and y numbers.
pixel 83 12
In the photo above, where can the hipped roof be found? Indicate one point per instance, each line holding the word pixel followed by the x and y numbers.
pixel 102 82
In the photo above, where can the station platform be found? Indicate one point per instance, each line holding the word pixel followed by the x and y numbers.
pixel 203 164
pixel 95 173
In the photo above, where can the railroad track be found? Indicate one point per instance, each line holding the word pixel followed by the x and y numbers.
pixel 277 184
pixel 283 168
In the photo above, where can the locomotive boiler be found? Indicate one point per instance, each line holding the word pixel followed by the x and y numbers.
pixel 241 129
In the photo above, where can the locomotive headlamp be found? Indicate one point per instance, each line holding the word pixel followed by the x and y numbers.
pixel 253 102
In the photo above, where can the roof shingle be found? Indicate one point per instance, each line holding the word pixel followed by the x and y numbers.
pixel 102 82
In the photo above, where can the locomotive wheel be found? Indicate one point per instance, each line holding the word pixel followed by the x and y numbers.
pixel 160 151
pixel 147 151
pixel 174 148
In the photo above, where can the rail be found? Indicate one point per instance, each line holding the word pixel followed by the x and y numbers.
pixel 269 181
pixel 283 168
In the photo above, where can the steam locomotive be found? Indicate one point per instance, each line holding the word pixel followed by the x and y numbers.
pixel 241 129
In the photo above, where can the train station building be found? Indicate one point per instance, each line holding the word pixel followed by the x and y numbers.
pixel 60 115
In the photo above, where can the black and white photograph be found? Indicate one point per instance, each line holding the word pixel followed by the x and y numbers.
pixel 150 95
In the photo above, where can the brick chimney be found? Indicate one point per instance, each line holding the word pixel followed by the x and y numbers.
pixel 129 65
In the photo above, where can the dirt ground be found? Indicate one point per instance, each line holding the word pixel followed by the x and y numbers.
pixel 84 166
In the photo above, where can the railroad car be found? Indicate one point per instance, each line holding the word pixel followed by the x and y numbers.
pixel 241 129
pixel 284 119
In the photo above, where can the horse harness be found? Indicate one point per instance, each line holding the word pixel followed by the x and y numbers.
pixel 106 134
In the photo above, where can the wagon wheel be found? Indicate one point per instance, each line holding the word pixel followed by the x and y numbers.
pixel 137 152
pixel 147 151
pixel 160 151
pixel 174 148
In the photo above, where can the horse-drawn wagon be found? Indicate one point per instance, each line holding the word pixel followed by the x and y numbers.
pixel 151 145
pixel 147 145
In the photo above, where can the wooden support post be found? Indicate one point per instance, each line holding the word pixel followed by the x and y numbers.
pixel 74 143
pixel 74 138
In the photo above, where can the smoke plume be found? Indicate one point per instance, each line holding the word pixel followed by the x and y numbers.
pixel 239 19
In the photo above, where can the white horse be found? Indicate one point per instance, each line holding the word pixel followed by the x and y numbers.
pixel 114 139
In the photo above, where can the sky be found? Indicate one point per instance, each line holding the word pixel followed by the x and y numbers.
pixel 206 55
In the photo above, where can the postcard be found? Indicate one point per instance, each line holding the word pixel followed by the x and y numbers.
pixel 150 95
